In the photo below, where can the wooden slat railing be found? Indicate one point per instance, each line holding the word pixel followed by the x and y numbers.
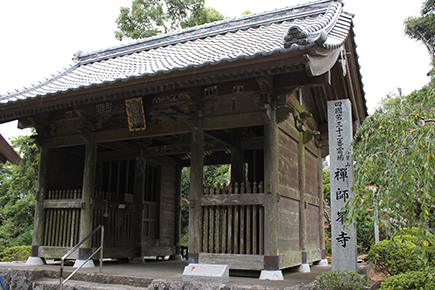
pixel 233 218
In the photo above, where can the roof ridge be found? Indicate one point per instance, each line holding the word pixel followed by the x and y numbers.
pixel 138 45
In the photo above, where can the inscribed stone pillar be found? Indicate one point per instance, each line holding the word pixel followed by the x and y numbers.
pixel 196 188
pixel 343 237
pixel 88 190
pixel 271 157
pixel 39 221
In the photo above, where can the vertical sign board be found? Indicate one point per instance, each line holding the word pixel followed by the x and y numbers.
pixel 343 237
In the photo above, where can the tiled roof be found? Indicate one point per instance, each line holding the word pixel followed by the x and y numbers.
pixel 320 23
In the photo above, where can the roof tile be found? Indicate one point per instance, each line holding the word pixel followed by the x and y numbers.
pixel 211 44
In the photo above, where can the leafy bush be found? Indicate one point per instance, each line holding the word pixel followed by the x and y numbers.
pixel 418 234
pixel 341 280
pixel 19 253
pixel 394 256
pixel 409 281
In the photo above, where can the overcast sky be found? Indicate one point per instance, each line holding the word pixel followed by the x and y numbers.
pixel 39 38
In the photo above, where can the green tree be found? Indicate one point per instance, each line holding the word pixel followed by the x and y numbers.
pixel 212 175
pixel 148 18
pixel 17 194
pixel 422 28
pixel 394 150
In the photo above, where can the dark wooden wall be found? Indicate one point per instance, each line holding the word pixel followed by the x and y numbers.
pixel 288 205
pixel 66 168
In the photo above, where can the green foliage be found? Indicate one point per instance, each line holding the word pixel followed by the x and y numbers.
pixel 203 16
pixel 148 18
pixel 394 151
pixel 328 245
pixel 17 194
pixel 410 280
pixel 18 253
pixel 365 233
pixel 422 28
pixel 341 280
pixel 212 175
pixel 326 186
pixel 395 256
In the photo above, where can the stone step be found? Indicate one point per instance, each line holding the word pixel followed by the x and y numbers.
pixel 102 278
pixel 53 284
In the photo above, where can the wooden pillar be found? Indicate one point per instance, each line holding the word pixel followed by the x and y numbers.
pixel 321 200
pixel 237 166
pixel 302 200
pixel 271 169
pixel 196 188
pixel 88 190
pixel 139 189
pixel 39 218
pixel 177 212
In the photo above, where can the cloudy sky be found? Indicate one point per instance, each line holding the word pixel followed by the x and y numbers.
pixel 39 38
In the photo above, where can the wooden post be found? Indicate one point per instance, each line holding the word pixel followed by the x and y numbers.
pixel 271 189
pixel 177 214
pixel 196 184
pixel 139 189
pixel 302 204
pixel 39 218
pixel 88 189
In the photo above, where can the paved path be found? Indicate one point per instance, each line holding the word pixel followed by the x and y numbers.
pixel 173 270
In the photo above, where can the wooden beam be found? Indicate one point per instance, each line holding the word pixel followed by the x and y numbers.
pixel 222 137
pixel 62 203
pixel 122 134
pixel 233 199
pixel 235 121
pixel 122 147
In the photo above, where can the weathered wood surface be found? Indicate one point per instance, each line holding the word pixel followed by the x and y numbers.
pixel 61 227
pixel 233 199
pixel 40 220
pixel 62 203
pixel 65 194
pixel 313 238
pixel 239 262
pixel 233 219
pixel 288 214
pixel 89 175
pixel 289 259
pixel 271 181
pixel 196 188
pixel 311 179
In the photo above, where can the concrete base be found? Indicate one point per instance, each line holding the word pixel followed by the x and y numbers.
pixel 35 261
pixel 88 264
pixel 207 273
pixel 136 260
pixel 323 262
pixel 304 268
pixel 273 275
pixel 176 257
